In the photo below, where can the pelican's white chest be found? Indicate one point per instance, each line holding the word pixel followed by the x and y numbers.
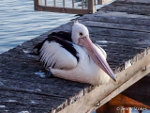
pixel 89 71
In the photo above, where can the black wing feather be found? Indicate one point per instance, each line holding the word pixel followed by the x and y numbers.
pixel 63 38
pixel 61 34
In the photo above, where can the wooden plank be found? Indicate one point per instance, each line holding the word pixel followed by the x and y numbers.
pixel 118 18
pixel 135 1
pixel 122 100
pixel 35 88
pixel 129 8
pixel 118 32
pixel 15 102
pixel 117 26
pixel 146 2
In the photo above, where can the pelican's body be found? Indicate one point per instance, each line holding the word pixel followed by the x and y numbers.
pixel 66 59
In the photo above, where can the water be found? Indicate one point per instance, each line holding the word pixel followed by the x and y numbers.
pixel 19 22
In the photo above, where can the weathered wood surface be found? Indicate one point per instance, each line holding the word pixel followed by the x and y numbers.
pixel 141 7
pixel 122 29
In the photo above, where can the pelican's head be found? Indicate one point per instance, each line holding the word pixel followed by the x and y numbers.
pixel 80 36
pixel 79 31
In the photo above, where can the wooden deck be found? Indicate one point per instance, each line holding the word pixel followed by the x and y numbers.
pixel 121 28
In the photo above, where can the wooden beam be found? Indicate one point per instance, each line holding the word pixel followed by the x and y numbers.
pixel 121 103
pixel 122 100
pixel 100 95
pixel 62 10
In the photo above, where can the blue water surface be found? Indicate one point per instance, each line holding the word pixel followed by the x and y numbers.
pixel 19 22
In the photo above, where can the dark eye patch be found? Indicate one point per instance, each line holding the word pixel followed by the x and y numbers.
pixel 81 34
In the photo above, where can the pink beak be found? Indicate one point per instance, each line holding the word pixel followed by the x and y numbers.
pixel 96 56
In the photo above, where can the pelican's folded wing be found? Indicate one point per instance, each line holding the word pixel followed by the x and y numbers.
pixel 54 55
pixel 57 51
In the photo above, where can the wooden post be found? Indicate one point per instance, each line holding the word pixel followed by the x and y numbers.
pixel 54 3
pixel 64 3
pixel 100 1
pixel 40 2
pixel 35 4
pixel 82 4
pixel 45 2
pixel 91 6
pixel 72 3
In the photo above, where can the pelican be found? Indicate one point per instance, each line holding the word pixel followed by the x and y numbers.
pixel 73 56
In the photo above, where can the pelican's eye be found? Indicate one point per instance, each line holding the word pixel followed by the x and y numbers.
pixel 81 34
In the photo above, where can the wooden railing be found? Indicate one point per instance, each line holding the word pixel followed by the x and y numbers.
pixel 67 6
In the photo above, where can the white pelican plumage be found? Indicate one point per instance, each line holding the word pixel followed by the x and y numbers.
pixel 73 56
